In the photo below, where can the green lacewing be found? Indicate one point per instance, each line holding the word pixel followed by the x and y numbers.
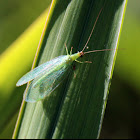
pixel 48 76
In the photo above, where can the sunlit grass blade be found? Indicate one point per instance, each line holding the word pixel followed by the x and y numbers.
pixel 11 68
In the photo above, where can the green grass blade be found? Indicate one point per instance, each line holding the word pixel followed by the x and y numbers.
pixel 76 108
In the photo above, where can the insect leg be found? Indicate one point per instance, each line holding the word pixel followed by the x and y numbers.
pixel 74 71
pixel 88 62
pixel 66 49
pixel 83 62
pixel 79 61
pixel 71 51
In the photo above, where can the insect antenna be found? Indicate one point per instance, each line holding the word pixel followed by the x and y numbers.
pixel 100 50
pixel 92 30
pixel 103 50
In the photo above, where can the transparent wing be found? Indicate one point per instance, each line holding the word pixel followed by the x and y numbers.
pixel 43 86
pixel 43 68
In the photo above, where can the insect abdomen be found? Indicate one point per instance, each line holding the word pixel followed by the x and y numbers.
pixel 66 62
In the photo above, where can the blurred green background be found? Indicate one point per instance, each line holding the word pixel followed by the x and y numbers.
pixel 122 113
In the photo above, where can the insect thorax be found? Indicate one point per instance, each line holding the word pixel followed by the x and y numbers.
pixel 68 59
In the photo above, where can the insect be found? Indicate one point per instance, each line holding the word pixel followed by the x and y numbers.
pixel 48 76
